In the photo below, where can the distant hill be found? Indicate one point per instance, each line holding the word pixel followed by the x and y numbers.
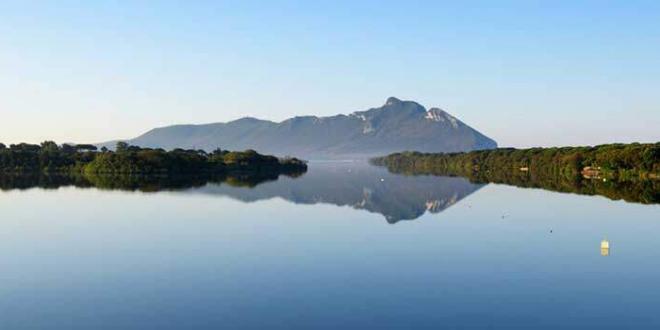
pixel 396 126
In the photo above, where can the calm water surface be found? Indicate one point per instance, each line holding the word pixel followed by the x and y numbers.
pixel 344 246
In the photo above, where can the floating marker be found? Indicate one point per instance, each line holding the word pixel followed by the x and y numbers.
pixel 604 244
pixel 604 248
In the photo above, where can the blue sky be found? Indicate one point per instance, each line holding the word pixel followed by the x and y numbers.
pixel 526 73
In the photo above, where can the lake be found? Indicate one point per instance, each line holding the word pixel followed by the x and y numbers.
pixel 346 245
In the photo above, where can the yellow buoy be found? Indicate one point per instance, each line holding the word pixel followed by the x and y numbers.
pixel 605 248
pixel 604 244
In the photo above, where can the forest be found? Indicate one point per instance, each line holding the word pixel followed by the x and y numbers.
pixel 611 161
pixel 49 157
pixel 617 171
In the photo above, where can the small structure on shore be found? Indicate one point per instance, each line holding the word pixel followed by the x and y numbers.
pixel 589 172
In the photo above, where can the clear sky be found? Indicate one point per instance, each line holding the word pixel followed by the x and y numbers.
pixel 526 73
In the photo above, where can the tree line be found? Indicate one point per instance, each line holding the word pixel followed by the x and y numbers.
pixel 49 157
pixel 617 171
pixel 615 161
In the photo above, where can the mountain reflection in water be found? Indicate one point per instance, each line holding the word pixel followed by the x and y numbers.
pixel 362 187
pixel 357 185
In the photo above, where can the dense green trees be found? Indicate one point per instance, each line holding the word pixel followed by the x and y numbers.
pixel 625 171
pixel 49 157
pixel 617 161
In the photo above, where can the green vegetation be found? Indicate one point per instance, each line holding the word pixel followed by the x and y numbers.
pixel 615 161
pixel 618 171
pixel 144 183
pixel 131 160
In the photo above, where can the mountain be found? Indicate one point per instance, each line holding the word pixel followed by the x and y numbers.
pixel 395 126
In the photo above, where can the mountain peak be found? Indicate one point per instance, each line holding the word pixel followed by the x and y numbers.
pixel 245 119
pixel 392 100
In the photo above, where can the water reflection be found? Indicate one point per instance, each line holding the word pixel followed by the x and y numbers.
pixel 633 190
pixel 357 185
pixel 201 256
pixel 362 187
pixel 133 182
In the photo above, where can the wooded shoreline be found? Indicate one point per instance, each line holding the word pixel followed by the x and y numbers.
pixel 634 161
pixel 616 171
pixel 50 157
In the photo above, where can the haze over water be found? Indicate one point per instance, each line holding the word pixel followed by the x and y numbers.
pixel 344 244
